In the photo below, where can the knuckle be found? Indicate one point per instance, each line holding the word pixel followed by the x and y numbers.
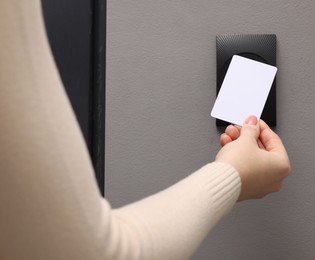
pixel 286 169
pixel 278 187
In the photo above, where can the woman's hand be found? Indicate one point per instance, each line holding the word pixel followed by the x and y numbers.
pixel 258 155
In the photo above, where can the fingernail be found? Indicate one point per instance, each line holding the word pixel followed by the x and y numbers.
pixel 251 120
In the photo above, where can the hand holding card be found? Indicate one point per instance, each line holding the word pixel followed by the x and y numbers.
pixel 244 90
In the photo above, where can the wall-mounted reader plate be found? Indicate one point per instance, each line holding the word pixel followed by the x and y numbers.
pixel 259 47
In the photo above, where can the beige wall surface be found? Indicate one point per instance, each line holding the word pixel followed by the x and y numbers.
pixel 161 77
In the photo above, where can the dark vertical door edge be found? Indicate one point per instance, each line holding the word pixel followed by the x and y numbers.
pixel 98 56
pixel 77 34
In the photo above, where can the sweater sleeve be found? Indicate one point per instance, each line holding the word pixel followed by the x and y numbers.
pixel 49 201
pixel 172 224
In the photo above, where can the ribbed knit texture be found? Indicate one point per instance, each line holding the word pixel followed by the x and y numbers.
pixel 175 221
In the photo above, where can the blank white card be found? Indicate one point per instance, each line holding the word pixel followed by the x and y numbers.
pixel 244 90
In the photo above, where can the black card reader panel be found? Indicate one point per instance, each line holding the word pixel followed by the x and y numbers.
pixel 259 47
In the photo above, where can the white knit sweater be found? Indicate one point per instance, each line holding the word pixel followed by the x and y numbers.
pixel 50 207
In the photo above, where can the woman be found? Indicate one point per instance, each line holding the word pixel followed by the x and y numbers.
pixel 49 201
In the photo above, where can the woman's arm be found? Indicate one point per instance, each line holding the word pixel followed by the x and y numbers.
pixel 49 201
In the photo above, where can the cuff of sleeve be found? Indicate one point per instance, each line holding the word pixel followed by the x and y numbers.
pixel 221 182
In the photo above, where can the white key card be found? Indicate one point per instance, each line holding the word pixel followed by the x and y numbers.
pixel 244 90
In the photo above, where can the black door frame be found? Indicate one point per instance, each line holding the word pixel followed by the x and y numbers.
pixel 98 87
pixel 77 34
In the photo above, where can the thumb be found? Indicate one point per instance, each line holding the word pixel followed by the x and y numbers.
pixel 251 128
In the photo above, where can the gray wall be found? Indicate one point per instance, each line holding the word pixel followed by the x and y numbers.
pixel 160 89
